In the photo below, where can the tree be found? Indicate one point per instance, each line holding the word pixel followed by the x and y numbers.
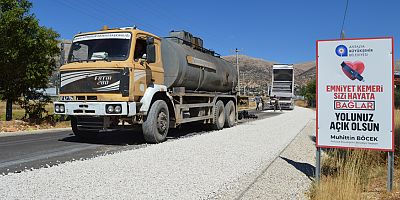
pixel 397 97
pixel 309 92
pixel 27 52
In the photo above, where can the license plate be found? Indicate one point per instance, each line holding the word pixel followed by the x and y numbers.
pixel 66 98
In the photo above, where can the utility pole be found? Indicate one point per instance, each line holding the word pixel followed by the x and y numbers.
pixel 62 62
pixel 237 68
pixel 244 85
pixel 62 55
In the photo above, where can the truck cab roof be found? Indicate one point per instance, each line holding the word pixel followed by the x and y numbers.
pixel 132 30
pixel 282 66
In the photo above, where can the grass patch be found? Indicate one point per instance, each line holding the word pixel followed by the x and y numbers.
pixel 18 112
pixel 346 174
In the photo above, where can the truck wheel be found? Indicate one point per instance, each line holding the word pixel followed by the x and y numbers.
pixel 155 128
pixel 79 133
pixel 230 114
pixel 219 115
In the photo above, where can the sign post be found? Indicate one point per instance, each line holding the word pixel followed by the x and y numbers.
pixel 355 95
pixel 390 171
pixel 318 165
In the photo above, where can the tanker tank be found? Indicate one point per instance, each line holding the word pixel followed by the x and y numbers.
pixel 195 70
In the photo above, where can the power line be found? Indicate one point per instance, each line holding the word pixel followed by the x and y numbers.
pixel 106 12
pixel 185 23
pixel 80 11
pixel 97 12
pixel 125 15
pixel 344 19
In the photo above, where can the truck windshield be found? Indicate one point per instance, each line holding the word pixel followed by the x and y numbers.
pixel 283 74
pixel 109 46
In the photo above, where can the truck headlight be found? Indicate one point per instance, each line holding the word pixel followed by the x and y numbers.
pixel 118 109
pixel 62 108
pixel 110 109
pixel 59 108
pixel 113 108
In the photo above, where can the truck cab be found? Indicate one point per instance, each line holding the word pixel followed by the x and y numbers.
pixel 106 77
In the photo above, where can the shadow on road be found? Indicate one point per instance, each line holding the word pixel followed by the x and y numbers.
pixel 135 136
pixel 305 168
pixel 313 138
pixel 120 138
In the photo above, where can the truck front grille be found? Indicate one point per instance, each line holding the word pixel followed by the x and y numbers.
pixel 90 124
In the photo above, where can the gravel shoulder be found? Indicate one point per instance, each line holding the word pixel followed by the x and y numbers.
pixel 290 175
pixel 199 167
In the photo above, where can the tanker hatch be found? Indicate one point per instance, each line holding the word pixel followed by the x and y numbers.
pixel 186 38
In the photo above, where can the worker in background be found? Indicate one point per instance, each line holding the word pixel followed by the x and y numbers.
pixel 276 103
pixel 258 101
pixel 262 103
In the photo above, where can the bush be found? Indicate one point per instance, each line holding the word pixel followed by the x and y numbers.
pixel 34 105
pixel 309 92
pixel 397 97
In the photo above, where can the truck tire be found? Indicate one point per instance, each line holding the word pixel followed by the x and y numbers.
pixel 155 128
pixel 79 133
pixel 219 115
pixel 230 114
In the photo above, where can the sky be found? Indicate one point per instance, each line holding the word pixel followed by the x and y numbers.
pixel 283 31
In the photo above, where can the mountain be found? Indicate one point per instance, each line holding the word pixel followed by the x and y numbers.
pixel 256 73
pixel 307 75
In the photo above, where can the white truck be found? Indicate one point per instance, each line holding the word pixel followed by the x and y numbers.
pixel 282 86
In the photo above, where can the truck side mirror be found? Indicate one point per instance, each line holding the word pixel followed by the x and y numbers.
pixel 151 53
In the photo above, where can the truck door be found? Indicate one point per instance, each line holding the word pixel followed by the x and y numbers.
pixel 148 67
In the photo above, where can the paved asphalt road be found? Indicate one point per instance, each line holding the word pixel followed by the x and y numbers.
pixel 23 152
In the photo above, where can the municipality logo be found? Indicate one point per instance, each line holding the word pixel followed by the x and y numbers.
pixel 341 51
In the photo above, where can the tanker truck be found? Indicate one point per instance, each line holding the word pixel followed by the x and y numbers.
pixel 118 79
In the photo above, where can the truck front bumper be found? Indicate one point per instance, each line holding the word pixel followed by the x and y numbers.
pixel 94 108
pixel 287 105
pixel 282 104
